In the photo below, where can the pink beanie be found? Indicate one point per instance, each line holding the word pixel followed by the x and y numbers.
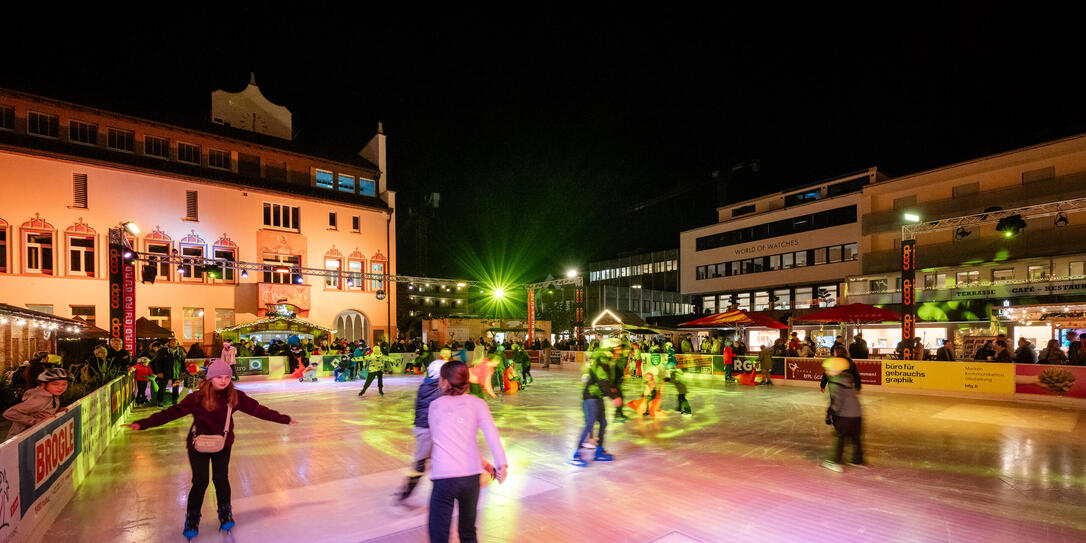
pixel 218 368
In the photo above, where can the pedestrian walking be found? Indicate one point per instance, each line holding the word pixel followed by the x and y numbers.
pixel 211 438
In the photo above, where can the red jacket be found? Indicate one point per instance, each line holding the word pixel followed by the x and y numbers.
pixel 206 422
pixel 143 373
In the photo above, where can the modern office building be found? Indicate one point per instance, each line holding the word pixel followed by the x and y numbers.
pixel 645 283
pixel 233 187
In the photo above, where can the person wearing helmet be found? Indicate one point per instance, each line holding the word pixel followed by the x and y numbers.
pixel 39 403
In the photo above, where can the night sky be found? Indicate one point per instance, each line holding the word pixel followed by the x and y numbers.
pixel 540 130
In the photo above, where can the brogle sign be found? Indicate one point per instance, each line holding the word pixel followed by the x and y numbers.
pixel 47 455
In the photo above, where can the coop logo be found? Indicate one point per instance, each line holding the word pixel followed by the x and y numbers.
pixel 52 451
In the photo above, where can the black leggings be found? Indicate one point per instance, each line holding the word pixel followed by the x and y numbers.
pixel 380 382
pixel 162 385
pixel 848 429
pixel 220 470
pixel 460 489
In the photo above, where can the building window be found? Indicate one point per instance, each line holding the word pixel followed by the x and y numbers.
pixel 226 255
pixel 743 210
pixel 186 152
pixel 40 308
pixel 281 216
pixel 819 256
pixel 282 268
pixel 355 268
pixel 224 318
pixel 192 205
pixel 377 268
pixel 801 259
pixel 332 280
pixel 775 262
pixel 852 251
pixel 1037 273
pixel 355 224
pixel 788 261
pixel 878 285
pixel 192 269
pixel 81 132
pixel 761 300
pixel 84 312
pixel 332 220
pixel 804 297
pixel 905 203
pixel 217 158
pixel 1075 269
pixel 708 304
pixel 827 295
pixel 324 179
pixel 7 117
pixel 367 187
pixel 81 256
pixel 346 183
pixel 3 248
pixel 835 254
pixel 154 146
pixel 41 124
pixel 964 278
pixel 121 140
pixel 194 324
pixel 1003 275
pixel 162 267
pixel 701 272
pixel 802 197
pixel 782 299
pixel 161 317
pixel 39 252
pixel 79 190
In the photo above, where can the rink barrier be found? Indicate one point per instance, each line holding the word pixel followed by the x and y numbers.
pixel 41 468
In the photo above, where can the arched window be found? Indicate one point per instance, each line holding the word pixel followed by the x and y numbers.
pixel 158 243
pixel 333 261
pixel 225 250
pixel 38 244
pixel 81 240
pixel 378 266
pixel 356 266
pixel 4 237
pixel 192 249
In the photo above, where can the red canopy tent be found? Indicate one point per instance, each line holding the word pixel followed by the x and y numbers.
pixel 852 314
pixel 736 318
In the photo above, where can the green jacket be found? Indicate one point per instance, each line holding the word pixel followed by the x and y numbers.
pixel 375 362
pixel 598 379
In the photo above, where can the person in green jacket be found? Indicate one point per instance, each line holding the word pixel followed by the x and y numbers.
pixel 524 364
pixel 376 367
pixel 597 379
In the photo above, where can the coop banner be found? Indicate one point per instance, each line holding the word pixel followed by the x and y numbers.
pixel 46 456
pixel 984 377
pixel 1045 380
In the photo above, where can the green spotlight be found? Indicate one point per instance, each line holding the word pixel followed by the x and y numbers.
pixel 499 293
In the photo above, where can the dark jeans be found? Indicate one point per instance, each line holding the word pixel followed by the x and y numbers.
pixel 141 397
pixel 525 375
pixel 220 469
pixel 848 429
pixel 684 405
pixel 464 490
pixel 593 412
pixel 380 382
pixel 162 385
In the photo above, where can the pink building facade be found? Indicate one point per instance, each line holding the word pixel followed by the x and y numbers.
pixel 72 172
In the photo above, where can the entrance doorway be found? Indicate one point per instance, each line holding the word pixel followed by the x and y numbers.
pixel 351 325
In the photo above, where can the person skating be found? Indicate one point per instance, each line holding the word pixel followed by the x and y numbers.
pixel 618 373
pixel 675 375
pixel 229 355
pixel 144 374
pixel 212 408
pixel 429 391
pixel 521 358
pixel 597 379
pixel 455 419
pixel 376 369
pixel 844 412
pixel 169 368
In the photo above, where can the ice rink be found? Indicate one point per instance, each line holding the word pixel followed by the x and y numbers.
pixel 744 468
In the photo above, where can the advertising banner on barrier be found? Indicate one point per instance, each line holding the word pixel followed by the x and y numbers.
pixel 810 369
pixel 10 511
pixel 985 377
pixel 46 457
pixel 698 363
pixel 252 366
pixel 569 357
pixel 1066 381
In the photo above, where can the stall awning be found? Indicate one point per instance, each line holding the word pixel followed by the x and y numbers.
pixel 146 329
pixel 736 318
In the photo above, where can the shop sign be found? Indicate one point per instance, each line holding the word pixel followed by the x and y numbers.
pixel 1045 380
pixel 10 512
pixel 762 249
pixel 1004 291
pixel 984 377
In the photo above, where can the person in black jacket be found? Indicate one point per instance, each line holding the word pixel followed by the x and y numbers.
pixel 858 349
pixel 428 392
pixel 841 353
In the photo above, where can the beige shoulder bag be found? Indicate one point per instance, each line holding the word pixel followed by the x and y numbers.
pixel 212 443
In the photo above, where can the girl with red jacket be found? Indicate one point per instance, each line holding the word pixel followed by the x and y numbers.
pixel 209 406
